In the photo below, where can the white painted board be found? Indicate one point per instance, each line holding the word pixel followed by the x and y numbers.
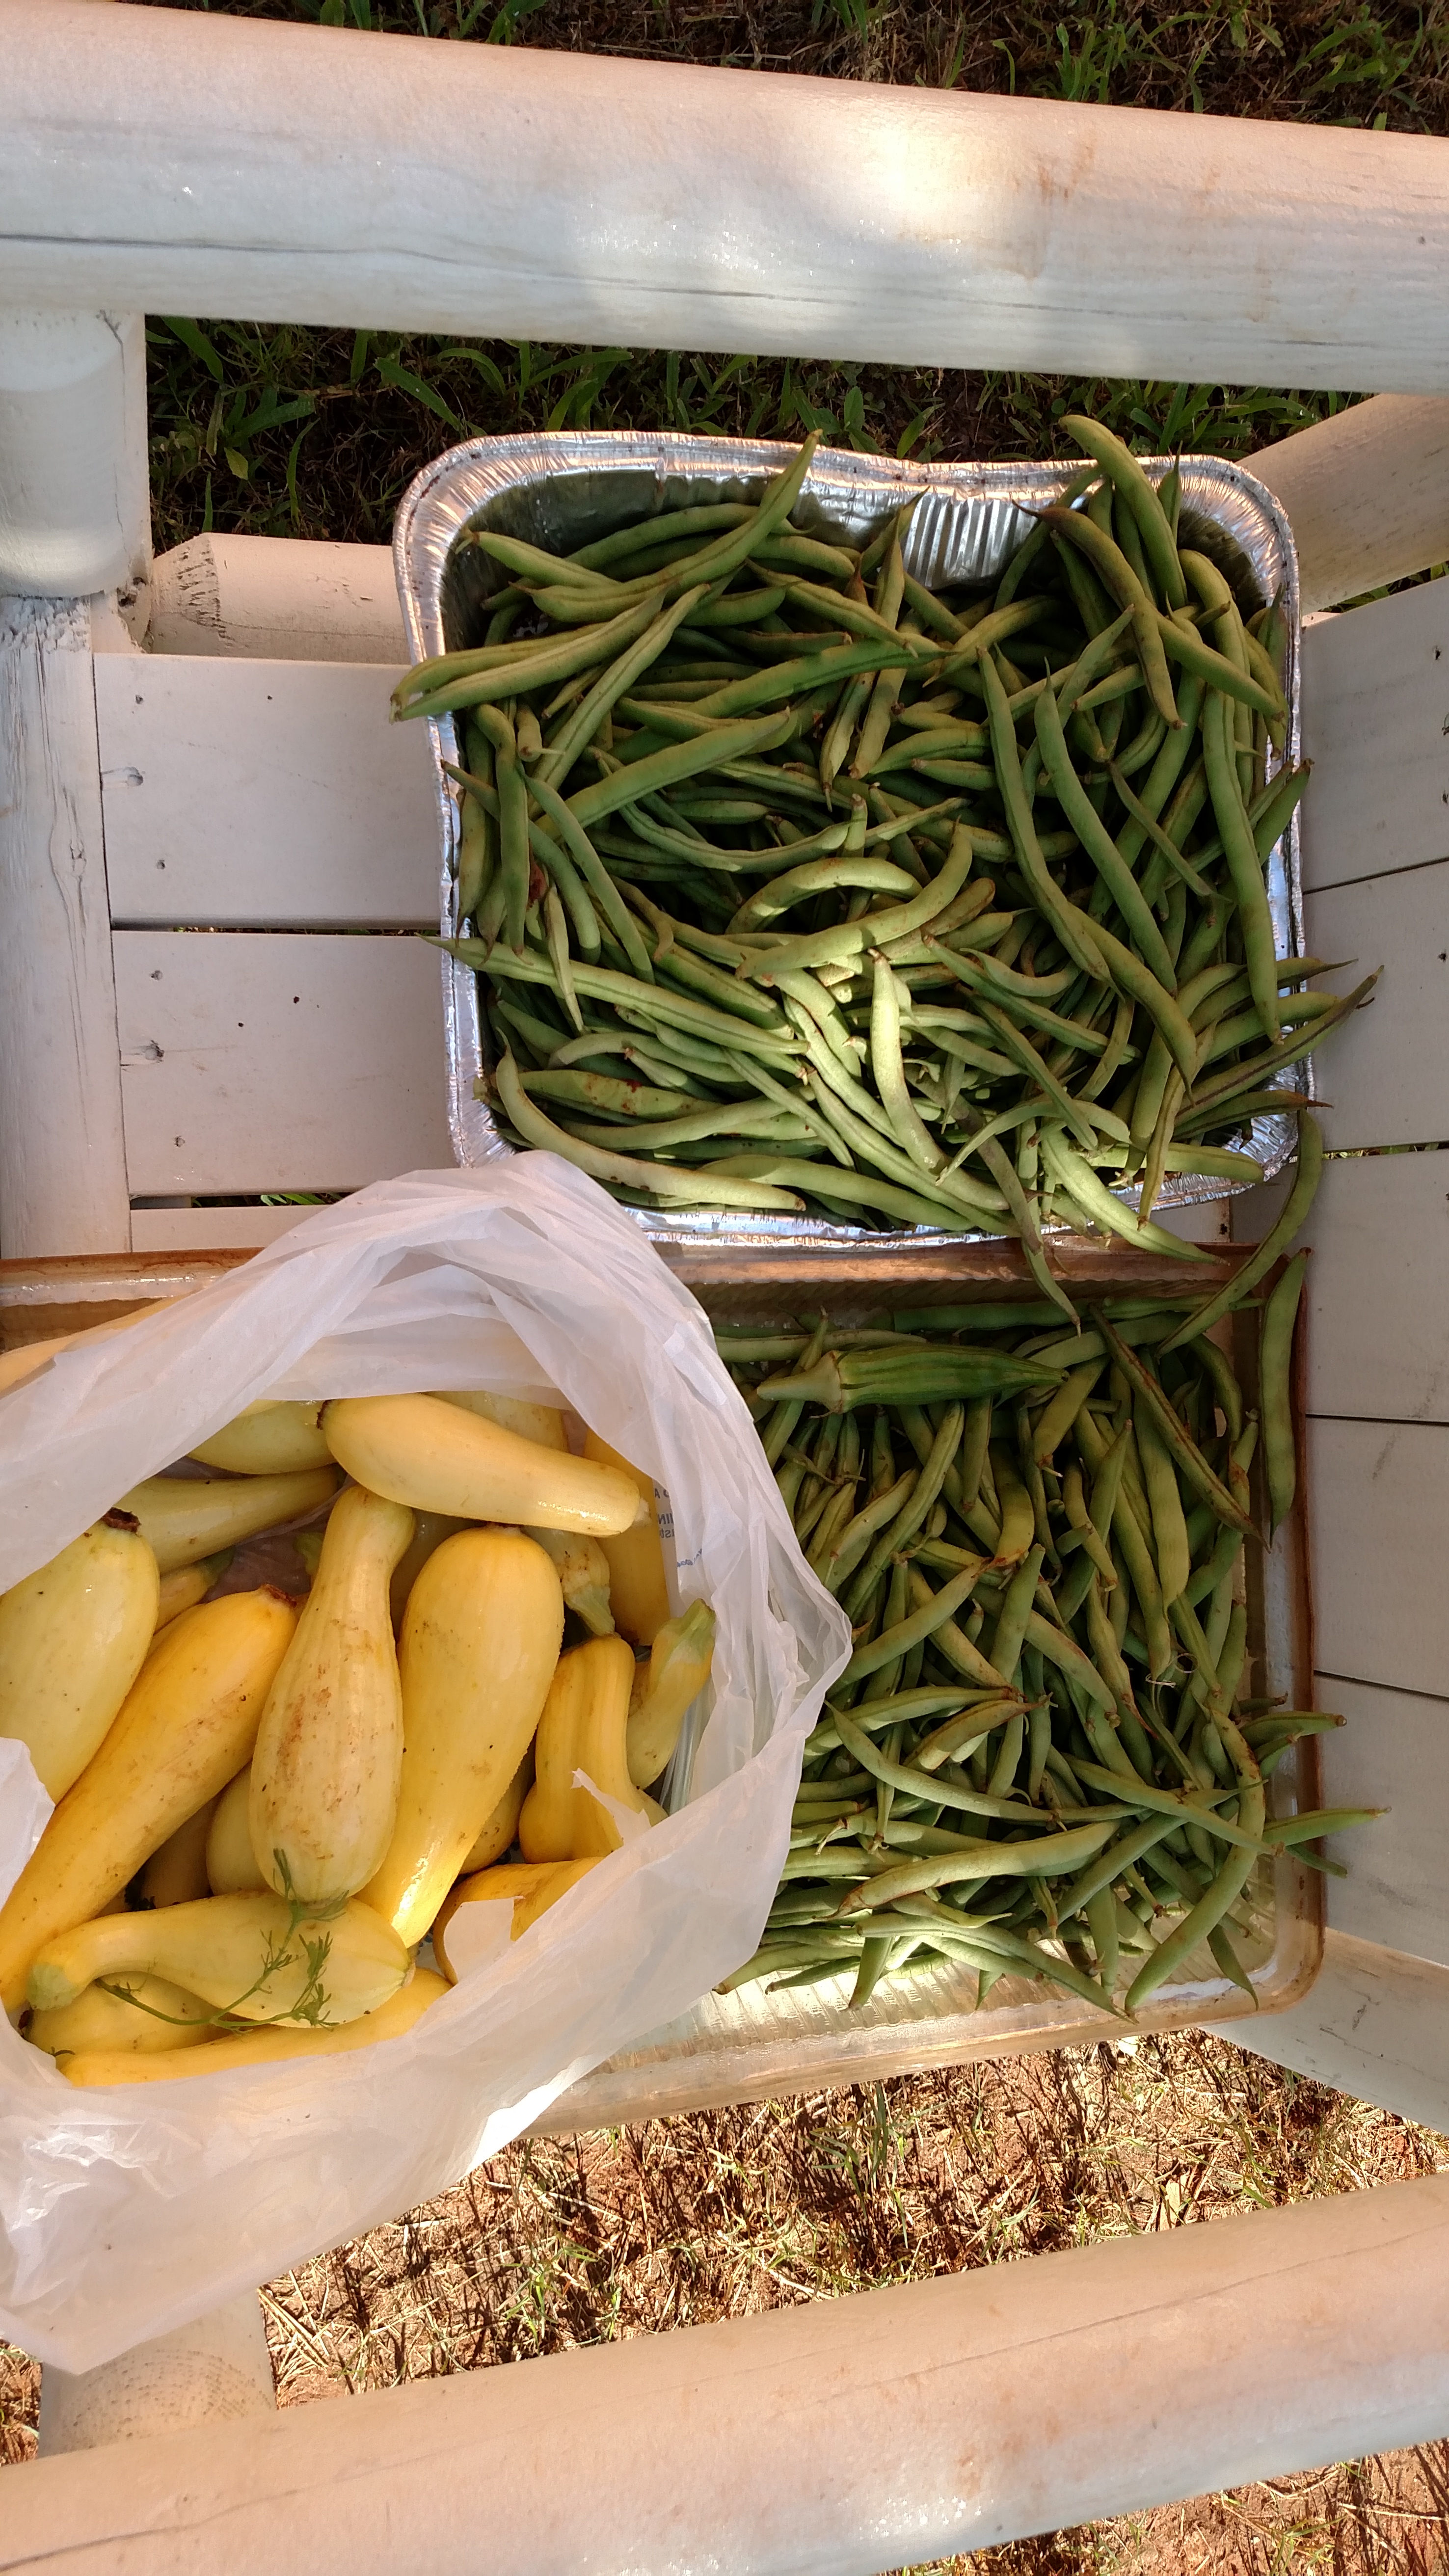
pixel 62 1163
pixel 1204 1221
pixel 1375 2025
pixel 1379 1501
pixel 210 1229
pixel 660 205
pixel 1393 1752
pixel 1367 495
pixel 1384 1072
pixel 284 599
pixel 1376 728
pixel 258 793
pixel 252 1062
pixel 1378 1288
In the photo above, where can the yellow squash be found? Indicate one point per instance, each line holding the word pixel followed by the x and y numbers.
pixel 638 1589
pixel 161 2017
pixel 541 1422
pixel 440 1458
pixel 429 1531
pixel 267 1440
pixel 188 1725
pixel 188 1584
pixel 241 1954
pixel 529 1887
pixel 18 1365
pixel 329 1749
pixel 73 1637
pixel 176 1873
pixel 232 1867
pixel 480 1642
pixel 665 1687
pixel 583 1728
pixel 501 1823
pixel 583 1570
pixel 258 2047
pixel 186 1517
pixel 535 1901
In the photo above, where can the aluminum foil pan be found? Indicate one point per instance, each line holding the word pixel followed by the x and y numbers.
pixel 565 488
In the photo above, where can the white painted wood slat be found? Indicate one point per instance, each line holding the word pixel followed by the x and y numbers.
pixel 1380 1506
pixel 263 793
pixel 62 1161
pixel 1376 727
pixel 1393 1752
pixel 252 1062
pixel 210 1229
pixel 1385 1071
pixel 1375 2025
pixel 659 205
pixel 1378 1288
pixel 1366 492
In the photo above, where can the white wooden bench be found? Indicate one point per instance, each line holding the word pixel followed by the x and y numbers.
pixel 212 862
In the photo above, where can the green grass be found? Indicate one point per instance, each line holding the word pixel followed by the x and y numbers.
pixel 293 432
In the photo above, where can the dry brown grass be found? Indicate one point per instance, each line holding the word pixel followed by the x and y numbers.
pixel 569 2241
pixel 562 2242
pixel 573 2241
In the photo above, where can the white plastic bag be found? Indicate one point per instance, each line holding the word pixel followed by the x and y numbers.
pixel 125 2211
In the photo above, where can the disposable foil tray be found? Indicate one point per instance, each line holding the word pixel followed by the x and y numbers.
pixel 564 489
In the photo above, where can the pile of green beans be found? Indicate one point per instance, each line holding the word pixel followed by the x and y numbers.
pixel 797 887
pixel 1045 1759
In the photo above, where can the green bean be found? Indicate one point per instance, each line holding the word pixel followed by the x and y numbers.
pixel 678 761
pixel 1054 1855
pixel 512 837
pixel 1134 978
pixel 819 876
pixel 910 1631
pixel 1279 1236
pixel 1164 1502
pixel 1274 1356
pixel 1244 866
pixel 1097 841
pixel 690 1188
pixel 1115 573
pixel 1009 1634
pixel 918 1784
pixel 1185 1452
pixel 1141 498
pixel 1099 1207
pixel 850 940
pixel 889 1071
pixel 1074 931
pixel 601 885
pixel 557 658
pixel 612 684
pixel 1207 1914
pixel 672 1010
pixel 1182 642
pixel 476 852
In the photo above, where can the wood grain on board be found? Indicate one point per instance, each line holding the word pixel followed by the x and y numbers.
pixel 1384 1072
pixel 62 1160
pixel 263 794
pixel 1380 1510
pixel 1378 1289
pixel 1376 728
pixel 264 1061
pixel 1374 2025
pixel 1392 1752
